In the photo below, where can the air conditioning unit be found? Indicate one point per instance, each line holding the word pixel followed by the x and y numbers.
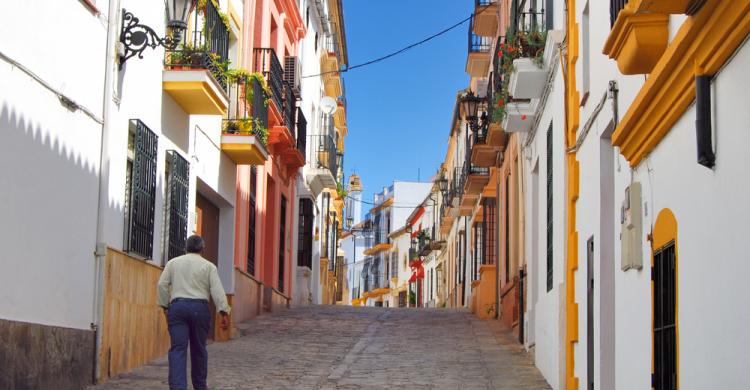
pixel 292 76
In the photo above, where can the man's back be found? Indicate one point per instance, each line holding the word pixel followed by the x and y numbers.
pixel 193 277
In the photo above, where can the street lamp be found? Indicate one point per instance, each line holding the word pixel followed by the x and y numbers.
pixel 136 37
pixel 470 106
pixel 443 184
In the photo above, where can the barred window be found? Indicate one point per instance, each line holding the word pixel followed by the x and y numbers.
pixel 140 193
pixel 176 210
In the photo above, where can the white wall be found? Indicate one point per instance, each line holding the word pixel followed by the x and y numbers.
pixel 49 162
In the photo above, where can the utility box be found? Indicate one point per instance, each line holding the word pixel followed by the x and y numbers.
pixel 631 229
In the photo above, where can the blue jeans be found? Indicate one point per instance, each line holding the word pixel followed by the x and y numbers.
pixel 189 321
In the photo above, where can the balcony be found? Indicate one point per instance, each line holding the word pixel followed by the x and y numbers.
pixel 282 138
pixel 194 79
pixel 267 63
pixel 194 73
pixel 486 14
pixel 640 33
pixel 474 180
pixel 483 154
pixel 245 132
pixel 478 60
pixel 322 163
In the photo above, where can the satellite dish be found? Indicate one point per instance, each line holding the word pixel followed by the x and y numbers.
pixel 328 105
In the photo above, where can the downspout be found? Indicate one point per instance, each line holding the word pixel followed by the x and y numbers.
pixel 100 249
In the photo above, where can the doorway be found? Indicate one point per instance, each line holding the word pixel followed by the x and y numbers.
pixel 207 226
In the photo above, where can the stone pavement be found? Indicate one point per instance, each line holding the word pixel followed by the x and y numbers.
pixel 337 347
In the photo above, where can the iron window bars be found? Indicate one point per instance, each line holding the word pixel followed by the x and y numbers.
pixel 282 242
pixel 301 132
pixel 139 237
pixel 178 184
pixel 305 235
pixel 251 221
pixel 665 329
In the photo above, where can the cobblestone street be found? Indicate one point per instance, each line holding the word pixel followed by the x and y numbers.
pixel 335 347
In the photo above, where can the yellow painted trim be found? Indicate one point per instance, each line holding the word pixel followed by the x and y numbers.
pixel 180 90
pixel 378 248
pixel 702 46
pixel 637 40
pixel 572 121
pixel 665 232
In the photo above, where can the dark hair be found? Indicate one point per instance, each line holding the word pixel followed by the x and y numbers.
pixel 194 244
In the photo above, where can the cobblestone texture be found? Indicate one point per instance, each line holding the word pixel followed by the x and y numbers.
pixel 335 347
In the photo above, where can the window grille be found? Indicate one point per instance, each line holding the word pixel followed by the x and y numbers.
pixel 141 196
pixel 251 221
pixel 178 184
pixel 304 252
pixel 665 330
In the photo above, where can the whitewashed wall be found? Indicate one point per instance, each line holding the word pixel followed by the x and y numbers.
pixel 49 161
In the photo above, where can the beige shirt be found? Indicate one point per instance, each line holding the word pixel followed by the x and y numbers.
pixel 191 276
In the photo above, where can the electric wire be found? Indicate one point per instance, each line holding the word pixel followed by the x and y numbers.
pixel 402 50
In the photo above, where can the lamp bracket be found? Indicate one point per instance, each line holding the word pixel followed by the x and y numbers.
pixel 136 37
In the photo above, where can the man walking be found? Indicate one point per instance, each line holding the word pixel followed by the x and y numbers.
pixel 191 279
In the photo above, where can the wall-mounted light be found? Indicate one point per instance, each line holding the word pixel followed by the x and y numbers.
pixel 136 37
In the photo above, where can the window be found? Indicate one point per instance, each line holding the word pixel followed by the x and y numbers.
pixel 251 221
pixel 665 330
pixel 305 231
pixel 282 242
pixel 478 248
pixel 550 223
pixel 488 235
pixel 176 210
pixel 140 192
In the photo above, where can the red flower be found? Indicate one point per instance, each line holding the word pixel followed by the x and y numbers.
pixel 500 102
pixel 523 117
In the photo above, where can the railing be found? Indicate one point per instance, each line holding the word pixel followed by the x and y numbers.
pixel 325 152
pixel 191 58
pixel 615 6
pixel 266 62
pixel 238 121
pixel 301 132
pixel 477 43
pixel 290 106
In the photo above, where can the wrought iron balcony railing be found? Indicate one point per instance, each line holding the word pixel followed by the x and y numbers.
pixel 191 58
pixel 266 62
pixel 324 150
pixel 477 43
pixel 290 107
pixel 615 6
pixel 301 132
pixel 209 49
pixel 247 117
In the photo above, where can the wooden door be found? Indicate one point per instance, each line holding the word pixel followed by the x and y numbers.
pixel 207 221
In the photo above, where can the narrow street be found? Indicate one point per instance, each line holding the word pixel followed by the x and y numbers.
pixel 327 347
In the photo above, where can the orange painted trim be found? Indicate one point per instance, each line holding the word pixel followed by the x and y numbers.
pixel 702 46
pixel 572 122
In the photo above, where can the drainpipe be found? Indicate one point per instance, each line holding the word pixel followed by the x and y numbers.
pixel 100 250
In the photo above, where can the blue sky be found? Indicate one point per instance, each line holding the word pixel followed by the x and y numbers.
pixel 399 110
